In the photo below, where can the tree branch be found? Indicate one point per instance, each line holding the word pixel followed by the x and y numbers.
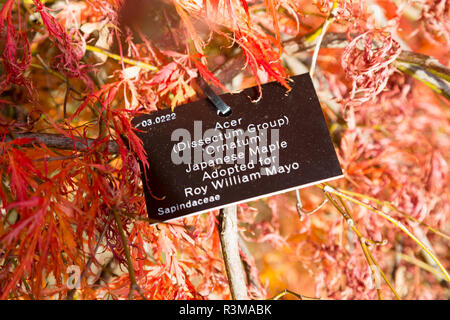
pixel 59 141
pixel 229 241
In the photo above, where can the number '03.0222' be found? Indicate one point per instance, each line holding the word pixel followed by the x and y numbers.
pixel 160 119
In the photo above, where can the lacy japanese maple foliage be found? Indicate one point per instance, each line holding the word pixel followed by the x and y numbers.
pixel 73 220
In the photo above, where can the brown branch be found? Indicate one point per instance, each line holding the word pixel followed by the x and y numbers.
pixel 59 141
pixel 229 241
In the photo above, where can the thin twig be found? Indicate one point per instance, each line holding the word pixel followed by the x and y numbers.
pixel 364 244
pixel 397 223
pixel 392 207
pixel 421 264
pixel 117 57
pixel 323 30
pixel 287 291
pixel 347 216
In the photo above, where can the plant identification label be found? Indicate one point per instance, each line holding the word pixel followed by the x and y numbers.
pixel 200 161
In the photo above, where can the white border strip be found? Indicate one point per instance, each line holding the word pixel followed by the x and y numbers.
pixel 252 199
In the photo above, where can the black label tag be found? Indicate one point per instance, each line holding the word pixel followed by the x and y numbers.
pixel 200 161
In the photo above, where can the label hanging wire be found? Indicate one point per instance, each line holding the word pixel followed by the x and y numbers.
pixel 222 108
